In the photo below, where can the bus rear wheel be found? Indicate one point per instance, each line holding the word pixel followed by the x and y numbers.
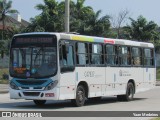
pixel 39 102
pixel 80 96
pixel 129 93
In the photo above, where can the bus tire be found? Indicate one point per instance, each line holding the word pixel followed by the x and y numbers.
pixel 39 102
pixel 129 93
pixel 80 96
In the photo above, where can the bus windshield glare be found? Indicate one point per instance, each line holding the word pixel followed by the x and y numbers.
pixel 33 57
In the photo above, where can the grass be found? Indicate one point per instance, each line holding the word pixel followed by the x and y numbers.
pixel 156 118
pixel 4 81
pixel 2 71
pixel 158 74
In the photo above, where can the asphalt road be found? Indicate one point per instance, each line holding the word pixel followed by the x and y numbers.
pixel 145 101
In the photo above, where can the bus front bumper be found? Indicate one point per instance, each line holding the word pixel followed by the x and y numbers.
pixel 34 95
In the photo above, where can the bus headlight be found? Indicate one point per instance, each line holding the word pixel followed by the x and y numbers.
pixel 14 86
pixel 51 85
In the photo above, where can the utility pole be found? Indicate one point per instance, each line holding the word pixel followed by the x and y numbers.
pixel 67 13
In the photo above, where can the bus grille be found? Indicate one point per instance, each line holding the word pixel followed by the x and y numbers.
pixel 35 88
pixel 31 93
pixel 31 82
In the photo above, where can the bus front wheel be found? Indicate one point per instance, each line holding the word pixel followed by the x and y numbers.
pixel 80 96
pixel 39 102
pixel 129 93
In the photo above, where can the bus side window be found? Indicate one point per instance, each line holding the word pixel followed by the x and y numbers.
pixel 66 58
pixel 82 53
pixel 148 57
pixel 96 54
pixel 136 56
pixel 111 52
pixel 124 55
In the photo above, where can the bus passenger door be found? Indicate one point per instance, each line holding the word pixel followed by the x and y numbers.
pixel 67 71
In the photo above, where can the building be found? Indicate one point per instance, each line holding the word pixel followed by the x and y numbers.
pixel 14 20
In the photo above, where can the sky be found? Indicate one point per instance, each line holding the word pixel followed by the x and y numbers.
pixel 148 8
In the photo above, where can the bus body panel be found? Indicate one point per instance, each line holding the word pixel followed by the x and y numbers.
pixel 94 77
pixel 30 91
pixel 102 81
pixel 67 85
pixel 14 94
pixel 149 78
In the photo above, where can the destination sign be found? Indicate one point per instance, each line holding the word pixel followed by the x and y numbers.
pixel 34 40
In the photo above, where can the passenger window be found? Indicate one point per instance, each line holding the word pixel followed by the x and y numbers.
pixel 111 55
pixel 124 55
pixel 96 52
pixel 82 53
pixel 136 56
pixel 148 57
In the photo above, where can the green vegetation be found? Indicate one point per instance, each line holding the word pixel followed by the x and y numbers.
pixel 158 74
pixel 86 21
pixel 5 8
pixel 156 118
pixel 3 71
pixel 4 82
pixel 142 30
pixel 83 20
pixel 5 34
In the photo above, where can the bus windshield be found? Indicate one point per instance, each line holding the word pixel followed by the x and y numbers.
pixel 33 61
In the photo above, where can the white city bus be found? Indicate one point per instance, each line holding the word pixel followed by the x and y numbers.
pixel 60 66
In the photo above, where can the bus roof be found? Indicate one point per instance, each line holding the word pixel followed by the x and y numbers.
pixel 104 40
pixel 85 38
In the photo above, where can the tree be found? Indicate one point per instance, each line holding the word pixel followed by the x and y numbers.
pixel 96 25
pixel 85 21
pixel 82 18
pixel 33 27
pixel 79 14
pixel 117 21
pixel 51 18
pixel 141 29
pixel 5 8
pixel 79 11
